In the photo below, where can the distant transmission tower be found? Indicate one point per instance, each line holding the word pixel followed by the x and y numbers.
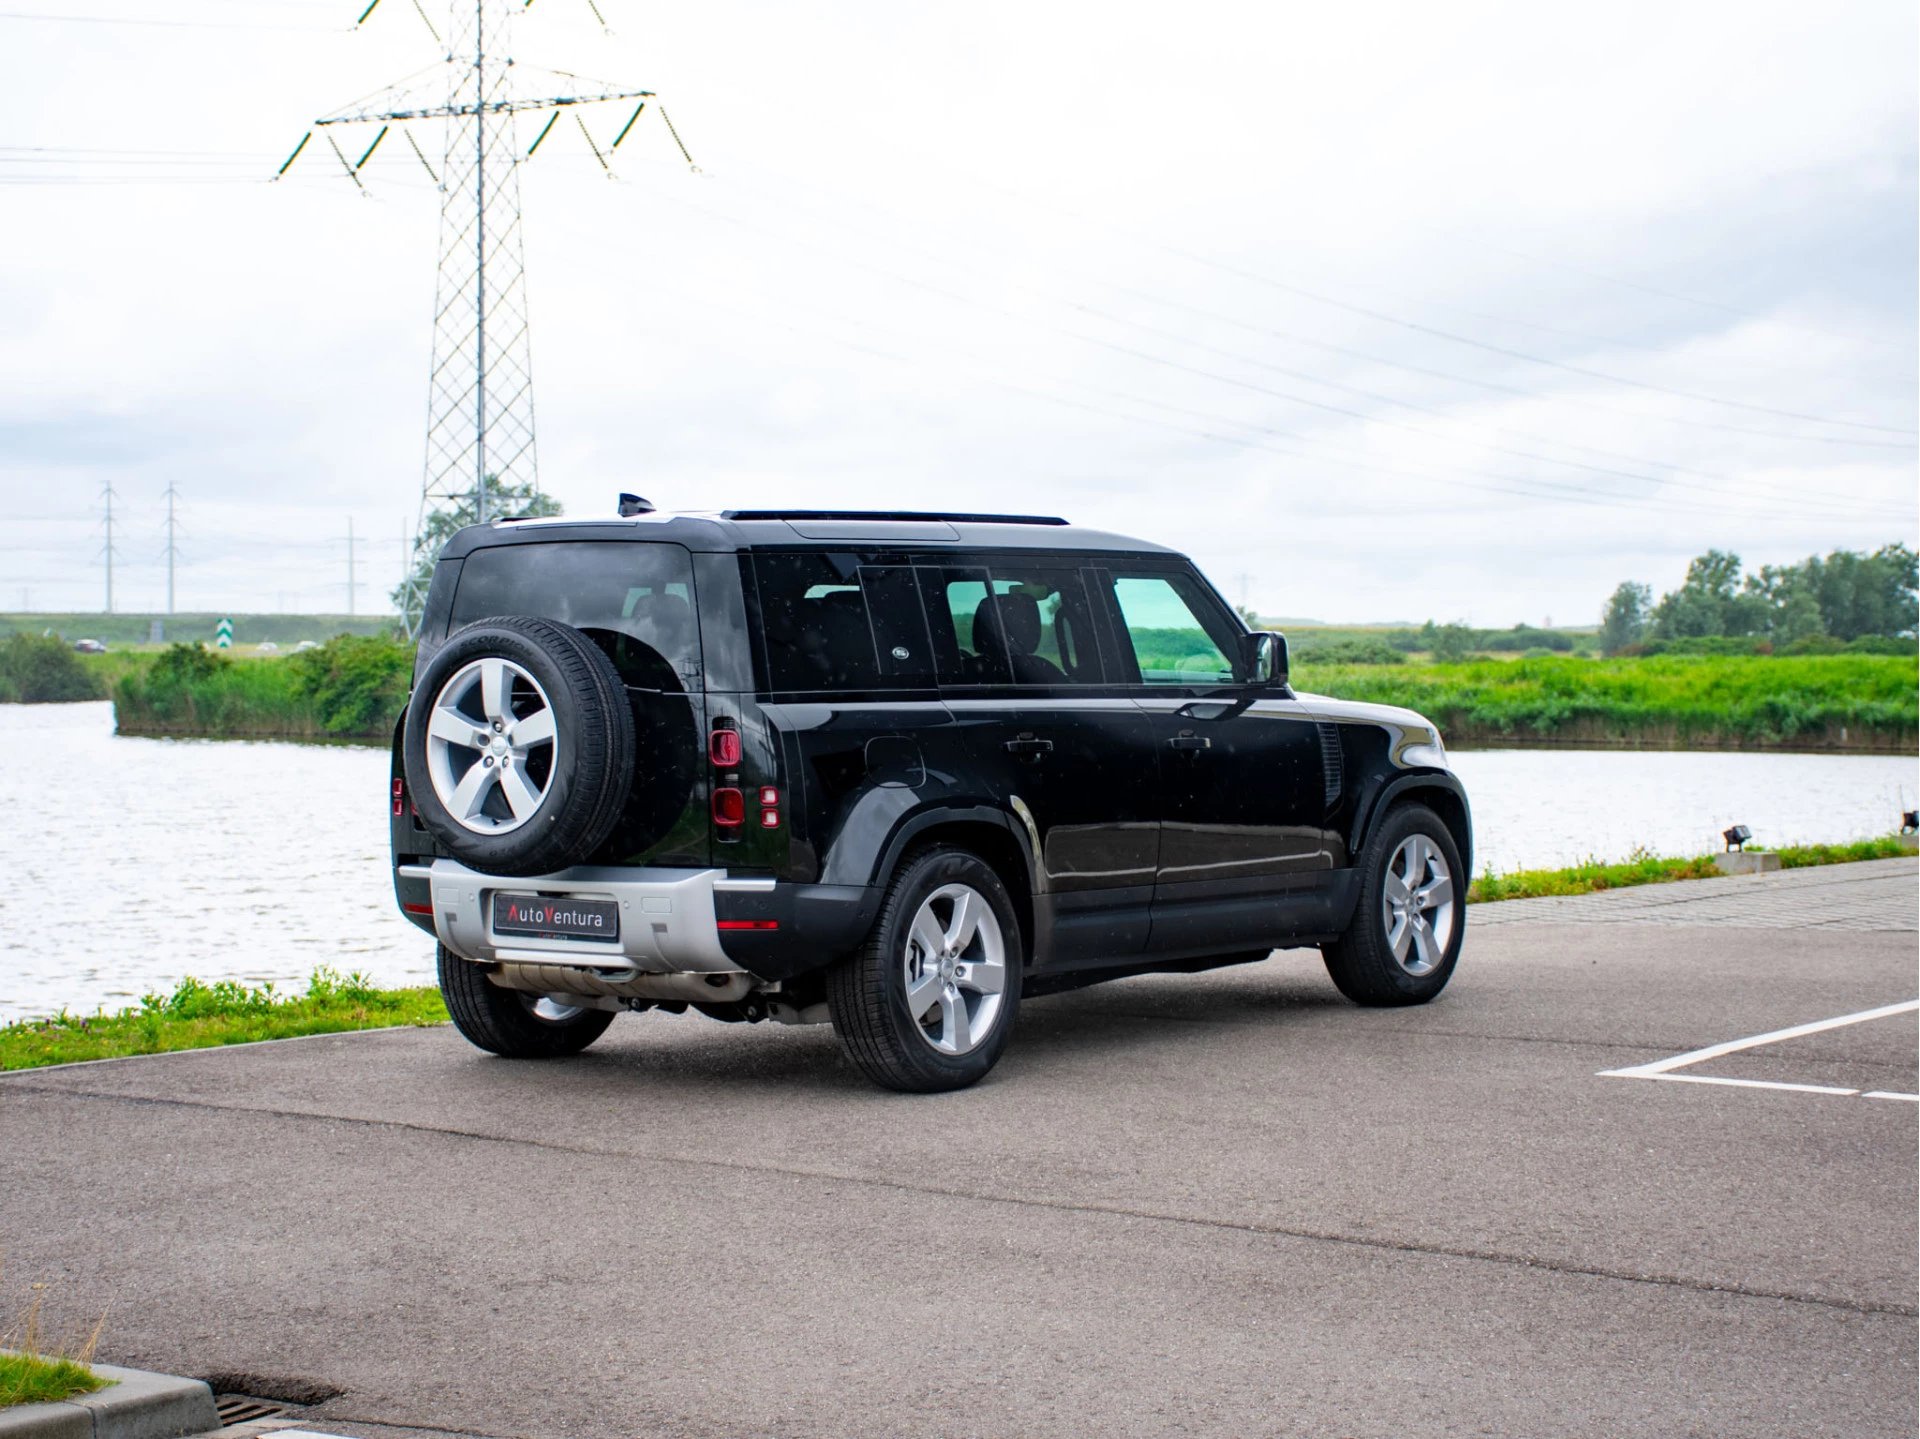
pixel 107 551
pixel 173 549
pixel 480 393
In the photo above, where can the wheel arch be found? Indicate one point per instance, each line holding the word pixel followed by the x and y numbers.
pixel 1441 792
pixel 983 830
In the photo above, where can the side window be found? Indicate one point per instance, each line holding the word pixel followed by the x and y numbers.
pixel 1044 626
pixel 1176 636
pixel 957 598
pixel 1010 624
pixel 832 622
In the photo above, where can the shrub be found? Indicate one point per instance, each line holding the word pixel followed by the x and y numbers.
pixel 357 684
pixel 42 669
pixel 1344 652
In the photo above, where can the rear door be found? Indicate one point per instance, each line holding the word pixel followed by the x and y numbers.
pixel 1241 797
pixel 1052 736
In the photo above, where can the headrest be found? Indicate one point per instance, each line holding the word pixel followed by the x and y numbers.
pixel 1007 624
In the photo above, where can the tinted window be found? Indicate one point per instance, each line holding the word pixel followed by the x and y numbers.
pixel 1177 637
pixel 1010 623
pixel 954 596
pixel 840 622
pixel 635 600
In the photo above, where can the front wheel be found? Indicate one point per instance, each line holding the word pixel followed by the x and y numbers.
pixel 1405 936
pixel 927 1003
pixel 512 1024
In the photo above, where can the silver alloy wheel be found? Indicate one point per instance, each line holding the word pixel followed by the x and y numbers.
pixel 1418 904
pixel 956 969
pixel 492 746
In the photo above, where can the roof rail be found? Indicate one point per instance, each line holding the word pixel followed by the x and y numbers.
pixel 958 518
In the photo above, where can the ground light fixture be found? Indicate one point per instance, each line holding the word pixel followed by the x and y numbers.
pixel 1736 837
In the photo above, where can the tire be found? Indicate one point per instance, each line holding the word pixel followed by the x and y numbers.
pixel 1379 963
pixel 509 1023
pixel 529 808
pixel 966 1021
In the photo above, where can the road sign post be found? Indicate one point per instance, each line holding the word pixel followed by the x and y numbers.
pixel 223 635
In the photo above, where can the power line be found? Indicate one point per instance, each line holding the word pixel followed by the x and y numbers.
pixel 1433 330
pixel 166 24
pixel 1374 358
pixel 1211 375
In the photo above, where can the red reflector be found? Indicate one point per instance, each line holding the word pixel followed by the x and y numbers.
pixel 398 806
pixel 729 807
pixel 748 924
pixel 723 748
pixel 425 909
pixel 399 788
pixel 769 795
pixel 769 819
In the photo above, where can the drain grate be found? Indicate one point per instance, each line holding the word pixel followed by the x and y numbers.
pixel 244 1409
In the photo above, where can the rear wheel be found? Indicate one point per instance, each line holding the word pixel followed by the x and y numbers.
pixel 510 1023
pixel 1407 928
pixel 928 1002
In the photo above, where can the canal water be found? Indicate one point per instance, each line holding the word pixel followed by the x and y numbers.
pixel 129 863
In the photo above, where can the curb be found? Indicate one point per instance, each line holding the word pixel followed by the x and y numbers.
pixel 134 1405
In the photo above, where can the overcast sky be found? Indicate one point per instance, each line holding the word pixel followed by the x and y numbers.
pixel 1381 311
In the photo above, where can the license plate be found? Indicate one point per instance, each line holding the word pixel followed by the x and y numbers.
pixel 545 917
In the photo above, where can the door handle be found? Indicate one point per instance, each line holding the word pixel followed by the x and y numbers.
pixel 1187 739
pixel 1028 745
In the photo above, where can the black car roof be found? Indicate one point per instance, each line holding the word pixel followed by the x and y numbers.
pixel 731 530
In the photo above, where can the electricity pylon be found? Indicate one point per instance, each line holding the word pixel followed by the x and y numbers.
pixel 173 548
pixel 480 435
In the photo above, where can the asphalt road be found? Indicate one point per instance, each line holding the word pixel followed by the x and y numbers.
pixel 1227 1204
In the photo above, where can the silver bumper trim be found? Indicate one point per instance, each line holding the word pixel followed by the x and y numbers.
pixel 666 917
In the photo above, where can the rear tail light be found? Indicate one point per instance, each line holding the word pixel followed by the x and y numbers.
pixel 729 808
pixel 723 748
pixel 769 807
pixel 399 798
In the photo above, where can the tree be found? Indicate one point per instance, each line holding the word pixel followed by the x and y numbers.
pixel 1866 594
pixel 1791 609
pixel 1710 602
pixel 1624 621
pixel 518 501
pixel 1448 643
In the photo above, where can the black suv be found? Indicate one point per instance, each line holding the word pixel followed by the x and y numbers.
pixel 894 771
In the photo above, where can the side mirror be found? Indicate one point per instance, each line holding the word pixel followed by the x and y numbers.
pixel 1267 659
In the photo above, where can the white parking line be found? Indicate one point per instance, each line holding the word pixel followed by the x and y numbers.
pixel 1663 1068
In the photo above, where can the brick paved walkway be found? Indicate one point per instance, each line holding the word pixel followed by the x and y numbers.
pixel 1878 894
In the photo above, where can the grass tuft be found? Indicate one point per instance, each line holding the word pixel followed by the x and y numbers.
pixel 205 1016
pixel 1641 867
pixel 31 1375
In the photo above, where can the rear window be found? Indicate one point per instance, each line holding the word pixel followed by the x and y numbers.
pixel 634 599
pixel 841 622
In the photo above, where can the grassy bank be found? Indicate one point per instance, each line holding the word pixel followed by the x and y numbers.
pixel 206 1016
pixel 1643 868
pixel 352 687
pixel 1837 702
pixel 137 628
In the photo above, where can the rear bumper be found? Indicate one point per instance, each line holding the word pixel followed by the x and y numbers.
pixel 671 920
